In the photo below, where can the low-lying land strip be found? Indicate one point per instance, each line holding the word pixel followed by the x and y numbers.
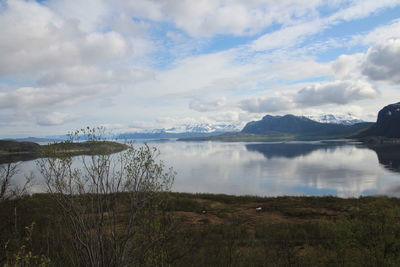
pixel 12 151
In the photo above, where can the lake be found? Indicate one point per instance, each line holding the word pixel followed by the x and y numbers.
pixel 336 168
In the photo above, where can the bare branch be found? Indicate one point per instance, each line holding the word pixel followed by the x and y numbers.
pixel 105 198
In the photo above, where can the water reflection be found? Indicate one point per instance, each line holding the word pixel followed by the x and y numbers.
pixel 388 156
pixel 4 159
pixel 279 169
pixel 318 169
pixel 342 169
pixel 288 150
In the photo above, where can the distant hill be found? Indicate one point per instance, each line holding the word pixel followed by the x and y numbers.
pixel 11 146
pixel 13 151
pixel 299 125
pixel 387 124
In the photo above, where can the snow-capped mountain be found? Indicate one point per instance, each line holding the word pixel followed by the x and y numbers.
pixel 181 131
pixel 202 128
pixel 346 119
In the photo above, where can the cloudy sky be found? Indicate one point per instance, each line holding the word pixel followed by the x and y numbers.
pixel 142 64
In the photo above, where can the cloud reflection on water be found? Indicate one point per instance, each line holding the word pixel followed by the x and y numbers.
pixel 278 169
pixel 310 168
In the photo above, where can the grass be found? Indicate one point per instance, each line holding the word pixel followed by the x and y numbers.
pixel 225 230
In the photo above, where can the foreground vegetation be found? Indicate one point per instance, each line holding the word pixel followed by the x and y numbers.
pixel 222 230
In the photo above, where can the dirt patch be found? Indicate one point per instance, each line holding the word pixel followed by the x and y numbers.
pixel 193 218
pixel 254 217
pixel 212 204
pixel 248 214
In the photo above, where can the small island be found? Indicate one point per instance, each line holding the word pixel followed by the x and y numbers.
pixel 13 151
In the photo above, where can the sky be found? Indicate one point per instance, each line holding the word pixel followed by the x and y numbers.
pixel 145 64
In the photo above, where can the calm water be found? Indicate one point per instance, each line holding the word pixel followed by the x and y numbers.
pixel 272 169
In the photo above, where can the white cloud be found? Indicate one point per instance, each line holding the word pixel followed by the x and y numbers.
pixel 210 17
pixel 299 68
pixel 377 35
pixel 47 97
pixel 336 92
pixel 175 36
pixel 88 14
pixel 138 126
pixel 382 62
pixel 294 34
pixel 113 126
pixel 227 116
pixel 75 75
pixel 57 62
pixel 208 105
pixel 267 104
pixel 54 118
pixel 197 75
pixel 90 75
pixel 207 76
pixel 348 66
pixel 128 27
pixel 286 37
pixel 362 8
pixel 168 122
pixel 379 63
pixel 33 39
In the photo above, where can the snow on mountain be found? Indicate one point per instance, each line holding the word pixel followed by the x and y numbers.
pixel 200 128
pixel 346 119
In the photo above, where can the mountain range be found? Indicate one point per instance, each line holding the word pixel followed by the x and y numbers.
pixel 206 129
pixel 385 130
pixel 301 126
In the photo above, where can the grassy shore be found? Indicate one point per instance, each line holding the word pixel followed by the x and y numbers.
pixel 224 230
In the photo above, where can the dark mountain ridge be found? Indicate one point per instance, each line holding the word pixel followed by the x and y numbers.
pixel 298 125
pixel 387 124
